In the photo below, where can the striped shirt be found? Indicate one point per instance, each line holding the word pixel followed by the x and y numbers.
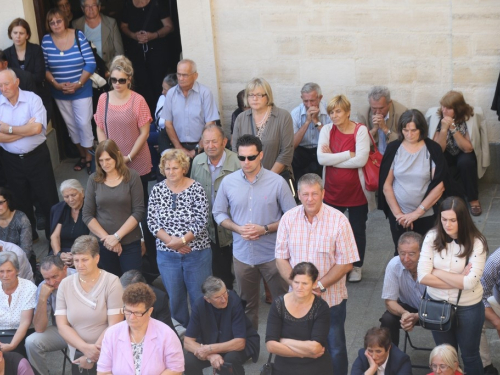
pixel 325 242
pixel 67 66
pixel 491 278
pixel 399 284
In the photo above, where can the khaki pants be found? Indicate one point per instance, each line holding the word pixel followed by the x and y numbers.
pixel 484 348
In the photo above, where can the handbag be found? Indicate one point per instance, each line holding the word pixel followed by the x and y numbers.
pixel 267 368
pixel 225 369
pixel 371 170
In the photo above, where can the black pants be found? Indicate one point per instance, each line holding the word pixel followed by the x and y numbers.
pixel 32 173
pixel 392 321
pixel 357 218
pixel 421 226
pixel 463 168
pixel 305 160
pixel 194 366
pixel 222 260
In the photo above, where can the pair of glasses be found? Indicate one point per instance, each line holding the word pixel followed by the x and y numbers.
pixel 56 22
pixel 136 313
pixel 250 158
pixel 183 75
pixel 441 367
pixel 258 96
pixel 121 81
pixel 221 297
pixel 88 7
pixel 174 202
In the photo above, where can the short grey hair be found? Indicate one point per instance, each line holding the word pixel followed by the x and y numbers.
pixel 378 92
pixel 71 184
pixel 410 237
pixel 82 3
pixel 8 256
pixel 84 245
pixel 310 87
pixel 310 179
pixel 132 277
pixel 211 286
pixel 194 68
pixel 51 260
pixel 214 127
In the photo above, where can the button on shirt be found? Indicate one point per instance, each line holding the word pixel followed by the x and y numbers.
pixel 190 114
pixel 28 105
pixel 299 115
pixel 325 242
pixel 260 202
pixel 215 171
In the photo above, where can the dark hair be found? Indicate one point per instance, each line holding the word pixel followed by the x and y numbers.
pixel 305 268
pixel 132 277
pixel 139 293
pixel 51 260
pixel 415 116
pixel 379 336
pixel 3 58
pixel 240 98
pixel 170 79
pixel 19 22
pixel 51 14
pixel 455 100
pixel 467 230
pixel 249 140
pixel 7 195
pixel 112 149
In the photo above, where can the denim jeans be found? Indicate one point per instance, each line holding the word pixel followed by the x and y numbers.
pixel 130 258
pixel 466 335
pixel 184 274
pixel 336 344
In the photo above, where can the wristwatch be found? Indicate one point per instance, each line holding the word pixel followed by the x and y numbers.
pixel 318 124
pixel 117 237
pixel 266 228
pixel 321 287
pixel 10 129
pixel 388 133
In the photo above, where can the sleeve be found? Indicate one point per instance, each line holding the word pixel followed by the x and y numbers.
pixel 296 119
pixel 362 151
pixel 24 368
pixel 237 130
pixel 200 210
pixel 61 306
pixel 117 38
pixel 282 251
pixel 137 197
pixel 167 106
pixel 45 40
pixel 99 113
pixel 390 290
pixel 172 353
pixel 210 110
pixel 426 260
pixel 114 302
pixel 478 259
pixel 87 54
pixel 142 112
pixel 29 302
pixel 26 235
pixel 194 327
pixel 274 323
pixel 286 199
pixel 490 276
pixel 154 205
pixel 38 111
pixel 358 367
pixel 105 362
pixel 321 324
pixel 238 322
pixel 346 250
pixel 326 158
pixel 89 204
pixel 221 204
pixel 285 155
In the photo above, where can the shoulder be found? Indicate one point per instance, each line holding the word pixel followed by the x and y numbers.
pixel 27 286
pixel 297 110
pixel 134 175
pixel 398 107
pixel 138 97
pixel 200 159
pixel 79 22
pixel 117 329
pixel 202 89
pixel 109 278
pixel 397 355
pixel 322 305
pixel 280 112
pixel 106 20
pixel 433 147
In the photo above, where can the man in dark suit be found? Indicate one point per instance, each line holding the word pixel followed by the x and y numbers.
pixel 26 81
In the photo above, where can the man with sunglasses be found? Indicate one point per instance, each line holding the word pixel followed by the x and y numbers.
pixel 250 203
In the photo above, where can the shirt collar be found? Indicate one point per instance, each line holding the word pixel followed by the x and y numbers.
pixel 317 217
pixel 259 175
pixel 195 88
pixel 220 163
pixel 382 367
pixel 20 98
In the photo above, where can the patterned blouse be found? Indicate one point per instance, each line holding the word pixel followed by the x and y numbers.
pixel 178 214
pixel 137 355
pixel 451 144
pixel 18 232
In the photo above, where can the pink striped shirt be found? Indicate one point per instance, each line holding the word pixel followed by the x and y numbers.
pixel 325 242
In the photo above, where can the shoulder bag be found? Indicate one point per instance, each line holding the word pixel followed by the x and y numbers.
pixel 371 170
pixel 267 368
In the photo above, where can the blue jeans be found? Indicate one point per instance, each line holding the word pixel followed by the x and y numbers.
pixel 130 258
pixel 184 274
pixel 466 335
pixel 336 339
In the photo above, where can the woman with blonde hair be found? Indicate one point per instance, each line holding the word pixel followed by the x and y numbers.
pixel 444 360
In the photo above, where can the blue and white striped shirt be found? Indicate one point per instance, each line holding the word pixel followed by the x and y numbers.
pixel 68 66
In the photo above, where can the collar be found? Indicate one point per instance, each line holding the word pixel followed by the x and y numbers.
pixel 259 175
pixel 273 111
pixel 382 367
pixel 195 88
pixel 20 98
pixel 317 217
pixel 450 240
pixel 220 163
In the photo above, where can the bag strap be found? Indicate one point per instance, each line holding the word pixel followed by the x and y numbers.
pixel 78 41
pixel 106 114
pixel 369 134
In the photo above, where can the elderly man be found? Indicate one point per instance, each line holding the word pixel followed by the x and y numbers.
pixel 46 337
pixel 188 107
pixel 26 158
pixel 382 116
pixel 209 168
pixel 26 81
pixel 317 233
pixel 491 299
pixel 402 291
pixel 101 30
pixel 308 119
pixel 25 271
pixel 250 203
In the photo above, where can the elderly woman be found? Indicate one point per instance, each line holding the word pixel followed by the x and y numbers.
pixel 69 62
pixel 17 298
pixel 449 127
pixel 177 216
pixel 343 148
pixel 273 126
pixel 444 361
pixel 66 221
pixel 113 209
pixel 298 326
pixel 412 177
pixel 88 302
pixel 219 332
pixel 451 264
pixel 378 352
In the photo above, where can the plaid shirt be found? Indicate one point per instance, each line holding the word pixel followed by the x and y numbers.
pixel 325 242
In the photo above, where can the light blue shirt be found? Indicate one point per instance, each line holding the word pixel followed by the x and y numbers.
pixel 190 114
pixel 28 105
pixel 215 171
pixel 95 36
pixel 261 202
pixel 299 115
pixel 382 138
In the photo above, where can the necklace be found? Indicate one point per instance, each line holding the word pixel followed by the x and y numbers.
pixel 134 341
pixel 91 281
pixel 264 119
pixel 65 42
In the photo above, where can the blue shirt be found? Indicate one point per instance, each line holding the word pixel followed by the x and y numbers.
pixel 215 171
pixel 299 115
pixel 28 105
pixel 69 66
pixel 260 202
pixel 190 114
pixel 94 35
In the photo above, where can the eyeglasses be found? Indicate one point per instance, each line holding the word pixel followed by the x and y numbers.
pixel 2 202
pixel 174 202
pixel 121 81
pixel 250 158
pixel 56 22
pixel 183 75
pixel 88 7
pixel 221 297
pixel 441 367
pixel 258 96
pixel 136 313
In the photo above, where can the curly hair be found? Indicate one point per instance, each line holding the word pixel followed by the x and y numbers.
pixel 174 155
pixel 137 293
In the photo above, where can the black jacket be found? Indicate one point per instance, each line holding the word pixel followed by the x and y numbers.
pixel 398 363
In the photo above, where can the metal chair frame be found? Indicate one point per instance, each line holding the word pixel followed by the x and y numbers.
pixel 408 340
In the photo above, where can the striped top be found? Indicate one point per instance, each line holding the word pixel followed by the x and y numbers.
pixel 67 66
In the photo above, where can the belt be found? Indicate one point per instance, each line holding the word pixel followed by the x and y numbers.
pixel 189 143
pixel 36 150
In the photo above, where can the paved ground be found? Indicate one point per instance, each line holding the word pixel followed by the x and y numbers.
pixel 364 306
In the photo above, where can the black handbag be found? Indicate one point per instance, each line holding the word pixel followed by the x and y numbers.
pixel 267 368
pixel 225 369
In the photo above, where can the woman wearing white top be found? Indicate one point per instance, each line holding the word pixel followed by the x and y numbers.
pixel 452 259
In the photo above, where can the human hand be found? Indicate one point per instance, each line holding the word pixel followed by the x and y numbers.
pixel 317 291
pixel 216 361
pixel 371 361
pixel 92 351
pixel 185 249
pixel 175 243
pixel 109 241
pixel 319 354
pixel 312 114
pixel 45 291
pixel 408 321
pixel 446 123
pixel 141 37
pixel 67 258
pixel 353 154
pixel 143 248
pixel 251 232
pixel 6 347
pixel 70 88
pixel 379 122
pixel 203 352
pixel 125 159
pixel 467 269
pixel 406 220
pixel 326 149
pixel 82 363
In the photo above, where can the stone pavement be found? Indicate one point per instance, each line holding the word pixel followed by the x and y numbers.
pixel 364 306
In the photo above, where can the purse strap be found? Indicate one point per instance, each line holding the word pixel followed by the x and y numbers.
pixel 358 125
pixel 106 114
pixel 459 291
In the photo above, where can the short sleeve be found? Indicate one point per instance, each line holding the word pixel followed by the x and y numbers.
pixel 282 251
pixel 390 289
pixel 101 108
pixel 61 304
pixel 105 362
pixel 114 301
pixel 142 112
pixel 274 322
pixel 29 302
pixel 173 355
pixel 426 260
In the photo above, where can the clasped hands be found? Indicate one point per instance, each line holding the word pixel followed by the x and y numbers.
pixel 408 321
pixel 92 352
pixel 203 354
pixel 406 220
pixel 251 232
pixel 111 243
pixel 177 244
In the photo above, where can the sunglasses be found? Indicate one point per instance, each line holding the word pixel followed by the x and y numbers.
pixel 56 22
pixel 121 81
pixel 250 158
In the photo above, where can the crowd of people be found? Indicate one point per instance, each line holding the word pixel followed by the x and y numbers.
pixel 266 202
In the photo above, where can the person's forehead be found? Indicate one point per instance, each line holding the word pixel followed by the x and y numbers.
pixel 257 89
pixel 90 2
pixel 378 103
pixel 409 247
pixel 185 67
pixel 212 134
pixel 310 95
pixel 52 271
pixel 251 149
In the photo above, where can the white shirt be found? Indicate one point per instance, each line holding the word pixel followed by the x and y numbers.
pixel 381 369
pixel 23 299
